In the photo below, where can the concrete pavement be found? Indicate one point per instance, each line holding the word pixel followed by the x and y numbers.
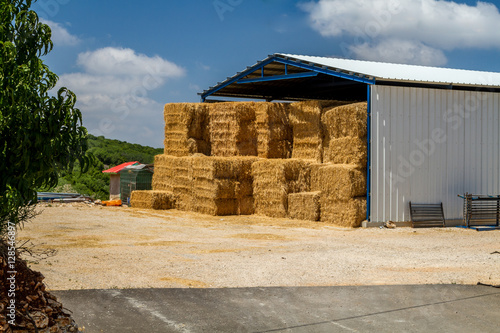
pixel 420 308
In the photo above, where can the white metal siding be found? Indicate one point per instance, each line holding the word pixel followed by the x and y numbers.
pixel 410 162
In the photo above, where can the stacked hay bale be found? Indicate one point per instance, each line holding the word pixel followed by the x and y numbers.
pixel 182 181
pixel 303 160
pixel 305 119
pixel 159 200
pixel 232 129
pixel 346 134
pixel 342 179
pixel 223 186
pixel 343 193
pixel 186 129
pixel 274 180
pixel 163 173
pixel 175 175
pixel 274 134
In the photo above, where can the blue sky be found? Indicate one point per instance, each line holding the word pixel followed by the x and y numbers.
pixel 126 59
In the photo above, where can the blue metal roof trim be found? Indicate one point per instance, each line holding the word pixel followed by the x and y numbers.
pixel 361 78
pixel 236 77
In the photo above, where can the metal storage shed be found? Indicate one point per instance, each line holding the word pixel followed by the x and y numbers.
pixel 114 181
pixel 433 132
pixel 135 177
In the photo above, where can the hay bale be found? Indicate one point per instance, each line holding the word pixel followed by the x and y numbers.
pixel 186 129
pixel 304 206
pixel 238 168
pixel 274 134
pixel 349 213
pixel 163 173
pixel 141 199
pixel 341 122
pixel 308 133
pixel 345 121
pixel 338 181
pixel 217 207
pixel 163 200
pixel 221 186
pixel 232 129
pixel 273 180
pixel 175 174
pixel 214 188
pixel 347 150
pixel 305 118
pixel 209 185
pixel 314 175
pixel 159 200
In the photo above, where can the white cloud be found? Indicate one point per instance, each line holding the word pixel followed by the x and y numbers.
pixel 120 61
pixel 401 52
pixel 113 91
pixel 432 25
pixel 60 35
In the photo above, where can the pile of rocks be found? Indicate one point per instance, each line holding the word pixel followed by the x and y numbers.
pixel 34 309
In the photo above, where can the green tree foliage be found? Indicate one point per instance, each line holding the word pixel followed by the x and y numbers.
pixel 40 134
pixel 115 152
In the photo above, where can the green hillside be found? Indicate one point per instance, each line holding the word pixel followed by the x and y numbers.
pixel 108 153
pixel 114 152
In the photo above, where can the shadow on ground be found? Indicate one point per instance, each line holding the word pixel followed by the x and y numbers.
pixel 421 308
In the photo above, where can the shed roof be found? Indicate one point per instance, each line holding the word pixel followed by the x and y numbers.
pixel 138 167
pixel 296 77
pixel 400 72
pixel 120 167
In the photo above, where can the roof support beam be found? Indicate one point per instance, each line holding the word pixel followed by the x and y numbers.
pixel 259 65
pixel 310 67
pixel 279 77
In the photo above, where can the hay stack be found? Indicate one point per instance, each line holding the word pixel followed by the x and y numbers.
pixel 273 180
pixel 349 213
pixel 274 134
pixel 347 121
pixel 305 119
pixel 232 129
pixel 304 206
pixel 186 129
pixel 159 200
pixel 223 186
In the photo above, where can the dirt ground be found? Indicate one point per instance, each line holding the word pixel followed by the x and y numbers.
pixel 115 247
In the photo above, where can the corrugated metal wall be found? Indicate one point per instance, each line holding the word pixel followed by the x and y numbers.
pixel 430 145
